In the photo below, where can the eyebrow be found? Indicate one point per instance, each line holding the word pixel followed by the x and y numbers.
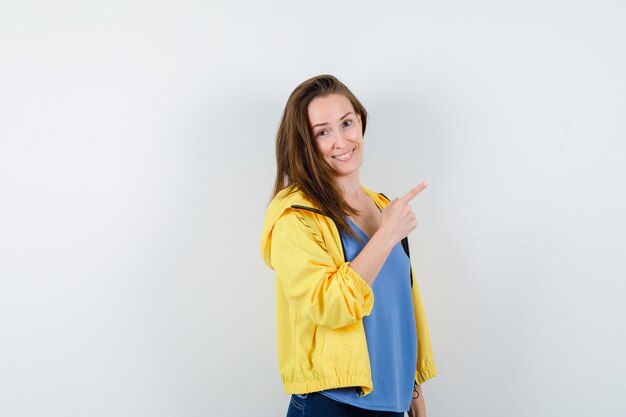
pixel 342 117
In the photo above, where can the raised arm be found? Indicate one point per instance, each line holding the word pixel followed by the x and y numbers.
pixel 397 222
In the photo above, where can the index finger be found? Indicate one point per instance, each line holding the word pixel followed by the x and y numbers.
pixel 414 192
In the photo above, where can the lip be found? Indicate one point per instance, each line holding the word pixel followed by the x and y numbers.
pixel 351 152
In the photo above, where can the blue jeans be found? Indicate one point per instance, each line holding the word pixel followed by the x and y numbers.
pixel 319 405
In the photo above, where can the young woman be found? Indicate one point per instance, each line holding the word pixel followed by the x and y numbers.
pixel 352 336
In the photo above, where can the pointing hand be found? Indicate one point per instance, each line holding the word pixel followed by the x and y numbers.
pixel 398 218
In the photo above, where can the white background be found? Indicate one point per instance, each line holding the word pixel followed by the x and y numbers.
pixel 137 158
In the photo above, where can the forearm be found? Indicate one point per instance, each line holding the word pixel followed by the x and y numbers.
pixel 373 256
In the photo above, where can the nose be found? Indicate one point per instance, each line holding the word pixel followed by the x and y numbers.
pixel 340 140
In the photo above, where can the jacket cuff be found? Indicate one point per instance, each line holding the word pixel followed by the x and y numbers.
pixel 364 294
pixel 425 372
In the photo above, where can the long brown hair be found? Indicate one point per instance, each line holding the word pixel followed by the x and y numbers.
pixel 298 163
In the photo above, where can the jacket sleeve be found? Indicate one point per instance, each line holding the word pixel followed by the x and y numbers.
pixel 328 294
pixel 425 363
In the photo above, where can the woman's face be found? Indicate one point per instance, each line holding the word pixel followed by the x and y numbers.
pixel 337 132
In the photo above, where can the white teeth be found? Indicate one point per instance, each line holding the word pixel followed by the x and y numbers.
pixel 344 156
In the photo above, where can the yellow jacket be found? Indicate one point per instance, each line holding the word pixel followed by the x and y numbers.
pixel 321 301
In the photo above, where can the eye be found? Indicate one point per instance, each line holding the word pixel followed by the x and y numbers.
pixel 321 133
pixel 347 123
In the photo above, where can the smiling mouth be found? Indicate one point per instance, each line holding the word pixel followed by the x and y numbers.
pixel 345 156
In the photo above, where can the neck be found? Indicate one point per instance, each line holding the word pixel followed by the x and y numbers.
pixel 350 187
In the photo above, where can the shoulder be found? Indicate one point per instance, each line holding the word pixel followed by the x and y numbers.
pixel 288 215
pixel 285 202
pixel 287 198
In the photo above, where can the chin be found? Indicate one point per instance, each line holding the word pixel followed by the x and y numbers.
pixel 345 171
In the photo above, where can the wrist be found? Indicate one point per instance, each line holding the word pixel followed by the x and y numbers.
pixel 384 238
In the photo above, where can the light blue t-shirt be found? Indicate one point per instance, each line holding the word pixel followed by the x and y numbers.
pixel 390 333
